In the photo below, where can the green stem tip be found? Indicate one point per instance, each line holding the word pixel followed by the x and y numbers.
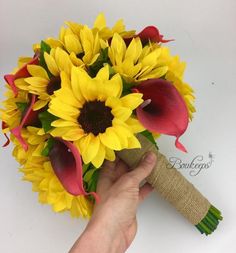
pixel 210 222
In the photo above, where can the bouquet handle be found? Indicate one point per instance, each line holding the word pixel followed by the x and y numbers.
pixel 175 188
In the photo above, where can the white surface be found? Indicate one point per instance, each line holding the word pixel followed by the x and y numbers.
pixel 205 38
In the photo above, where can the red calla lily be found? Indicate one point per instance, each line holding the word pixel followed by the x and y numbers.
pixel 27 118
pixel 67 165
pixel 22 72
pixel 151 33
pixel 4 125
pixel 148 33
pixel 164 110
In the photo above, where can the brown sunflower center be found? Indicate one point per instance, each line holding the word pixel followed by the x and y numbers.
pixel 54 84
pixel 95 117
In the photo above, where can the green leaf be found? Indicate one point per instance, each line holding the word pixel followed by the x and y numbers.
pixel 90 178
pixel 150 137
pixel 92 185
pixel 127 87
pixel 89 174
pixel 22 106
pixel 49 146
pixel 86 167
pixel 46 119
pixel 44 47
pixel 99 63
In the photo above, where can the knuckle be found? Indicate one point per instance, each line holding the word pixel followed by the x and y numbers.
pixel 131 179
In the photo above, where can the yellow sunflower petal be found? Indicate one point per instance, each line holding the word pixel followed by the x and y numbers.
pixel 88 87
pixel 113 102
pixel 110 154
pixel 63 123
pixel 61 107
pixel 73 134
pixel 76 61
pixel 123 137
pixel 100 21
pixel 99 158
pixel 110 88
pixel 37 71
pixel 63 60
pixel 67 133
pixel 67 113
pixel 133 142
pixel 103 73
pixel 83 143
pixel 110 139
pixel 132 101
pixel 134 50
pixel 122 113
pixel 72 44
pixel 39 104
pixel 135 125
pixel 156 73
pixel 67 96
pixel 37 81
pixel 22 84
pixel 77 81
pixel 51 64
pixel 92 148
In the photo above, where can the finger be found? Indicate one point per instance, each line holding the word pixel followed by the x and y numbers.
pixel 106 176
pixel 144 191
pixel 144 167
pixel 121 169
pixel 110 173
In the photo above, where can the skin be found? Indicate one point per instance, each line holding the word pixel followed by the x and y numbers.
pixel 113 225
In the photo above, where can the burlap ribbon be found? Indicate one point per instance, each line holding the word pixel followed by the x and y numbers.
pixel 169 182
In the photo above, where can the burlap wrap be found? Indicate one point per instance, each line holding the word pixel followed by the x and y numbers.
pixel 170 183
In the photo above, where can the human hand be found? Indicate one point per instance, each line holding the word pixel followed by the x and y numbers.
pixel 113 225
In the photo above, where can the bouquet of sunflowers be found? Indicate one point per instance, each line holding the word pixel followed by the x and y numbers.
pixel 94 94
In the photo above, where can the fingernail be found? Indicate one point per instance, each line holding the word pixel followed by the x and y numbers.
pixel 149 157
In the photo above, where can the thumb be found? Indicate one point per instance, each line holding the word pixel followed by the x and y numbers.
pixel 144 167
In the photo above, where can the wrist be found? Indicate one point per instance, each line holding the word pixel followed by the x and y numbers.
pixel 100 236
pixel 107 234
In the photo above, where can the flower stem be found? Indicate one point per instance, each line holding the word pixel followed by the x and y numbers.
pixel 210 222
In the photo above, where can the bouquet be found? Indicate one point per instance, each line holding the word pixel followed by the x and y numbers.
pixel 91 95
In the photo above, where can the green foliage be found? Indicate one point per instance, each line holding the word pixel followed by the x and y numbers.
pixel 48 147
pixel 150 137
pixel 44 47
pixel 46 119
pixel 92 186
pixel 99 63
pixel 127 87
pixel 90 178
pixel 22 106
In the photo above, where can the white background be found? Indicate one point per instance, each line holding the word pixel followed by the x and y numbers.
pixel 205 36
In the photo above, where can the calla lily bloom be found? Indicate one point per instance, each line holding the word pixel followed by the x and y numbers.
pixel 27 118
pixel 21 73
pixel 149 33
pixel 164 110
pixel 67 165
pixel 4 125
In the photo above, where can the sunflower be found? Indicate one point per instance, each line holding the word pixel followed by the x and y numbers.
pixel 106 33
pixel 42 83
pixel 38 170
pixel 83 47
pixel 135 62
pixel 13 108
pixel 93 114
pixel 84 44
